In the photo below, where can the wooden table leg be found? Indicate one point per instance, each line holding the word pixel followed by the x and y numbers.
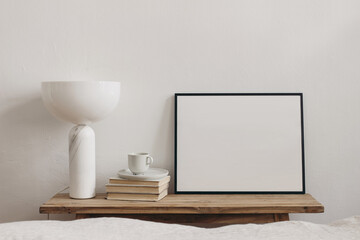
pixel 278 217
pixel 82 216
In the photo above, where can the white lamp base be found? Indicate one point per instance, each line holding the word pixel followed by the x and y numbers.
pixel 82 162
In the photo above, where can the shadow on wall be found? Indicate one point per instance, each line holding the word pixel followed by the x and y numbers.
pixel 33 158
pixel 164 140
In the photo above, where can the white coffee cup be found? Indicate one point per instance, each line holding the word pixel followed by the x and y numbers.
pixel 139 162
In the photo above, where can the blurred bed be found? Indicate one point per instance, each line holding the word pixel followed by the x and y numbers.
pixel 129 229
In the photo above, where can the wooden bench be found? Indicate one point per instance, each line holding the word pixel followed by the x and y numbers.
pixel 191 209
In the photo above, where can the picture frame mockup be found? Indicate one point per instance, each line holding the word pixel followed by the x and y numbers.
pixel 239 143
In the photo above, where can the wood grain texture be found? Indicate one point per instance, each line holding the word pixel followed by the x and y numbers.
pixel 281 217
pixel 188 204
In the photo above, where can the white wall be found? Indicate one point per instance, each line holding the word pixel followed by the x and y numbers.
pixel 159 47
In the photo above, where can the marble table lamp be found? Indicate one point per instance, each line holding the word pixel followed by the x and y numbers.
pixel 82 103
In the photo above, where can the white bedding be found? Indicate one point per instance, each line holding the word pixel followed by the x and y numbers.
pixel 121 228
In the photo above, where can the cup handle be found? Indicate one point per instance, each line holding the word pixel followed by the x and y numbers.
pixel 149 160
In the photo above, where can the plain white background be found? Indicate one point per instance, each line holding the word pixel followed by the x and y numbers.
pixel 156 48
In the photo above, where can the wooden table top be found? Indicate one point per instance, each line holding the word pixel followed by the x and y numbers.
pixel 188 204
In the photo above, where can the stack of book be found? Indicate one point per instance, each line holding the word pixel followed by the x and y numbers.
pixel 123 189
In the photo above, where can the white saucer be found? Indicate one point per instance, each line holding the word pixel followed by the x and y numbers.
pixel 151 174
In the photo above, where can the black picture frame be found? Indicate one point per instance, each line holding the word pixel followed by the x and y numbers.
pixel 177 191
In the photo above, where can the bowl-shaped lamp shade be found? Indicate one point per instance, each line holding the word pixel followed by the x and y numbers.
pixel 80 102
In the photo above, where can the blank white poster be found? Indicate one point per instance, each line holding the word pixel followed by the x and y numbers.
pixel 239 143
